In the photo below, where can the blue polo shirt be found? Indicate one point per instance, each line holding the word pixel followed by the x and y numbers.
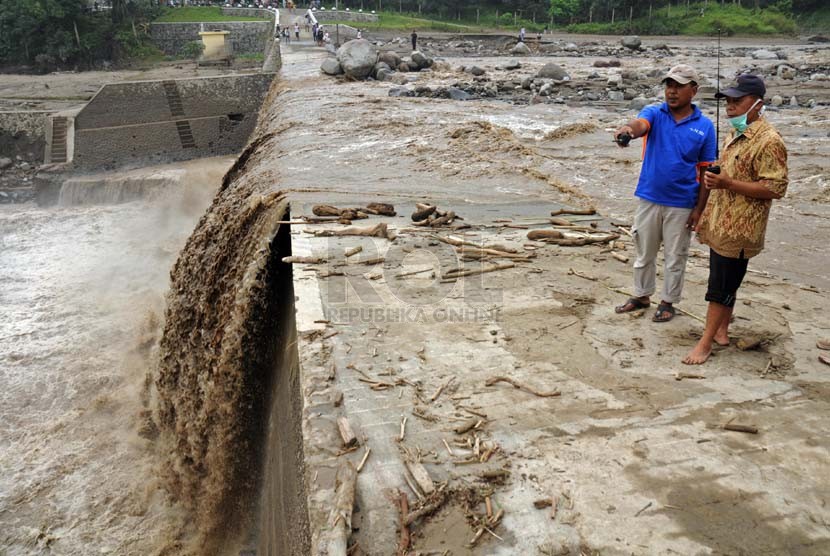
pixel 672 153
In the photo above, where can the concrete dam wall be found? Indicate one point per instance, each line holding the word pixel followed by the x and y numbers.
pixel 134 123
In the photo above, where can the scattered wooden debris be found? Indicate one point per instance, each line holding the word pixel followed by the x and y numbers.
pixel 539 235
pixel 749 429
pixel 403 429
pixel 542 503
pixel 570 235
pixel 681 376
pixel 403 543
pixel 441 389
pixel 455 274
pixel 496 379
pixel 580 212
pixel 619 256
pixel 382 209
pixel 431 216
pixel 495 475
pixel 346 432
pixel 447 446
pixel 483 253
pixel 353 250
pixel 644 508
pixel 421 476
pixel 340 517
pixel 378 230
pixel 414 272
pixel 467 426
pixel 436 501
pixel 303 260
pixel 363 459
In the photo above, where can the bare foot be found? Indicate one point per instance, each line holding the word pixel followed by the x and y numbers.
pixel 722 339
pixel 699 354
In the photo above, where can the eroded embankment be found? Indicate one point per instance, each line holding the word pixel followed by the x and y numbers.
pixel 223 345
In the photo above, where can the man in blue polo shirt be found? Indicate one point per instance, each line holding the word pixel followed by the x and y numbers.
pixel 678 143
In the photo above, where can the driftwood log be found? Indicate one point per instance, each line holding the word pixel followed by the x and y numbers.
pixel 335 540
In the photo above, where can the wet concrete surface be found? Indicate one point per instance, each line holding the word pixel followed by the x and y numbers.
pixel 636 459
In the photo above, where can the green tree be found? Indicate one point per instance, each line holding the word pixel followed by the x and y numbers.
pixel 563 11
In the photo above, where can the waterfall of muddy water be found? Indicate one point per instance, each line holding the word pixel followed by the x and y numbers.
pixel 120 188
pixel 226 347
pixel 82 299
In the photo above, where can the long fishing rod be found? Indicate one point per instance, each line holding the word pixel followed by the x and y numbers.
pixel 716 169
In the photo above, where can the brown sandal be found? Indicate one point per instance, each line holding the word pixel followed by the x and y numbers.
pixel 635 303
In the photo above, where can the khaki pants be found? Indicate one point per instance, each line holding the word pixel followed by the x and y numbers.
pixel 654 225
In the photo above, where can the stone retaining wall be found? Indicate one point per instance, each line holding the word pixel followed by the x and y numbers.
pixel 246 37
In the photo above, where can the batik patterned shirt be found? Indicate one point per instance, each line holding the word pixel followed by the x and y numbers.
pixel 732 222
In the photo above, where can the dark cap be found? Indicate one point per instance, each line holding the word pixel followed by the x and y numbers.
pixel 747 84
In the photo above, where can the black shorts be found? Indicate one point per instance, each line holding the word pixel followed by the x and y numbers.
pixel 725 277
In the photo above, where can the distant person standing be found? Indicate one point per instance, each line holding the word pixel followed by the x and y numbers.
pixel 359 34
pixel 522 35
pixel 297 30
pixel 414 40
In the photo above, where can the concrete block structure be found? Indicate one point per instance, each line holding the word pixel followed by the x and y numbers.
pixel 135 123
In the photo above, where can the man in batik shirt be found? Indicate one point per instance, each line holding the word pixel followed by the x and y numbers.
pixel 753 172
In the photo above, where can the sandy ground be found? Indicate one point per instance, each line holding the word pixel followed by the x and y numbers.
pixel 635 459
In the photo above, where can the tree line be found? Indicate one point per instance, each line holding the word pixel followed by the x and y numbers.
pixel 51 34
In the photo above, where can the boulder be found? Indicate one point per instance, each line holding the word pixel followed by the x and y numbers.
pixel 614 80
pixel 422 61
pixel 592 96
pixel 763 54
pixel 546 89
pixel 5 163
pixel 786 72
pixel 403 66
pixel 384 74
pixel 553 71
pixel 527 82
pixel 413 65
pixel 632 42
pixel 616 95
pixel 512 65
pixel 331 66
pixel 793 102
pixel 607 64
pixel 570 47
pixel 401 92
pixel 475 70
pixel 390 58
pixel 818 38
pixel 457 94
pixel 818 77
pixel 25 166
pixel 357 58
pixel 521 49
pixel 382 65
pixel 777 100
